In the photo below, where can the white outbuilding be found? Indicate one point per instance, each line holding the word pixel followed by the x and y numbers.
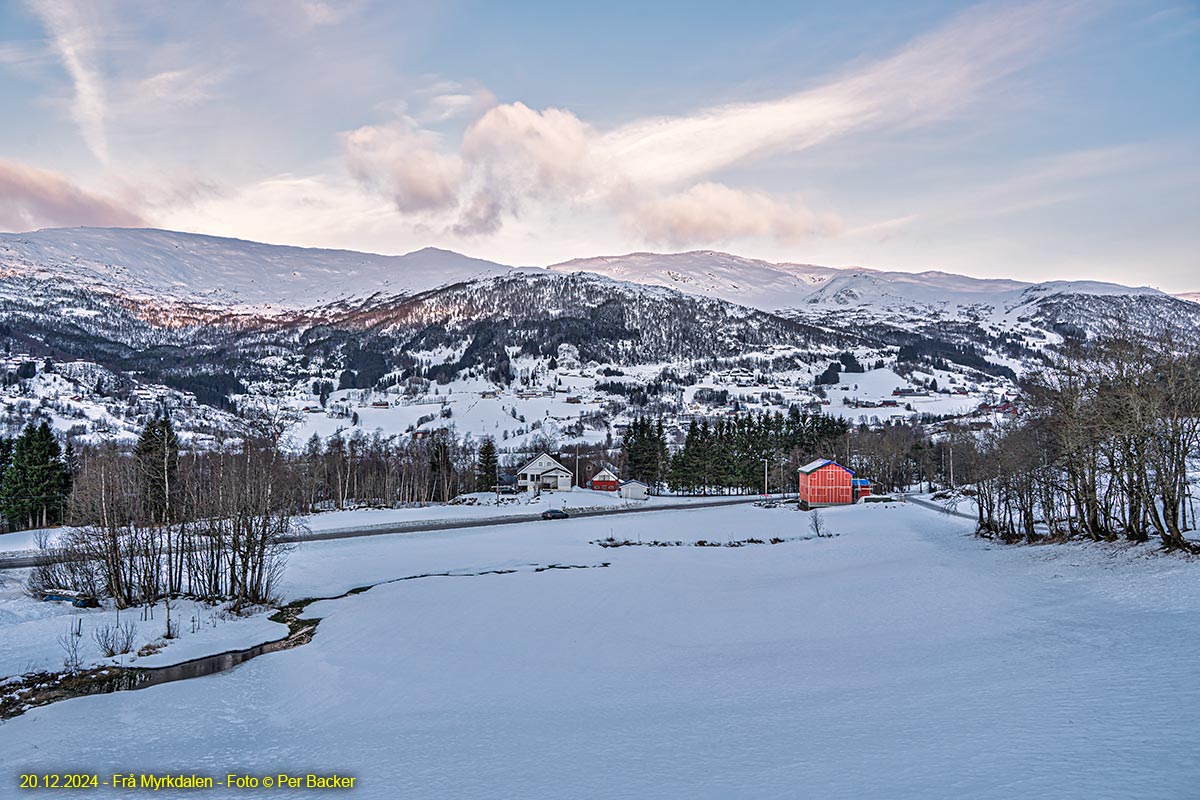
pixel 634 490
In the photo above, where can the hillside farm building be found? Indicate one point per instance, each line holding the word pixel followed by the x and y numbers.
pixel 825 482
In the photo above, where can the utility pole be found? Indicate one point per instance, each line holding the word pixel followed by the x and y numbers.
pixel 951 463
pixel 766 489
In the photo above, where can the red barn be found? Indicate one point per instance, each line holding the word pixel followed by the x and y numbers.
pixel 827 483
pixel 604 481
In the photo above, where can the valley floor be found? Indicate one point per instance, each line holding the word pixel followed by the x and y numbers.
pixel 901 658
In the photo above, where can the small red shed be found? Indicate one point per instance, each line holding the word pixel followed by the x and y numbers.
pixel 825 482
pixel 604 481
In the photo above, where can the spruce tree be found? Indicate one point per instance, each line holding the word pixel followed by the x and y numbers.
pixel 486 466
pixel 6 448
pixel 36 483
pixel 157 457
pixel 662 460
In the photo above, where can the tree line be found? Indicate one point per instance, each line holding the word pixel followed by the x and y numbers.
pixel 154 523
pixel 1101 449
pixel 727 455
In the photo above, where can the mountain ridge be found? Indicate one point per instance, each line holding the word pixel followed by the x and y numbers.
pixel 246 275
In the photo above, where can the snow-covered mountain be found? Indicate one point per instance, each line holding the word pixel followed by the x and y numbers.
pixel 230 273
pixel 791 287
pixel 238 276
pixel 746 281
pixel 214 319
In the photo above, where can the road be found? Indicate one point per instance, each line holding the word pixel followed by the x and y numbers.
pixel 19 562
pixel 939 507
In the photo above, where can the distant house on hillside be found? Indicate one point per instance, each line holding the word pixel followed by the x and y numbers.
pixel 544 473
pixel 1006 407
pixel 825 482
pixel 604 481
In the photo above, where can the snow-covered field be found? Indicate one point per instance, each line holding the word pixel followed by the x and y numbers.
pixel 902 658
pixel 477 505
pixel 31 628
pixel 484 506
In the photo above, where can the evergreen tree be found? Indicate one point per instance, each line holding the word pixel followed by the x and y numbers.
pixel 663 460
pixel 157 457
pixel 70 459
pixel 830 376
pixel 643 451
pixel 486 466
pixel 36 483
pixel 6 448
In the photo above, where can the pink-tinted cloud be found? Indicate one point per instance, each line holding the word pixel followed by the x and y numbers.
pixel 515 154
pixel 405 164
pixel 35 198
pixel 712 212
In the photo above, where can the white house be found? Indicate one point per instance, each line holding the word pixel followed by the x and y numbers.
pixel 543 474
pixel 634 490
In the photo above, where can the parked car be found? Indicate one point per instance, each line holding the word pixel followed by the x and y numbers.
pixel 555 513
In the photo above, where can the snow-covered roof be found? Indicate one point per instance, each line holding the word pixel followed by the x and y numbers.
pixel 533 460
pixel 634 480
pixel 558 469
pixel 605 474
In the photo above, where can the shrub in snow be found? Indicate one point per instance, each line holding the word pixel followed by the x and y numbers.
pixel 115 640
pixel 69 642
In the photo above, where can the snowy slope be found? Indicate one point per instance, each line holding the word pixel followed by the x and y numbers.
pixel 769 286
pixel 777 287
pixel 746 281
pixel 165 265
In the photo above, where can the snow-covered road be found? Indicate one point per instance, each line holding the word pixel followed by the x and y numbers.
pixel 902 658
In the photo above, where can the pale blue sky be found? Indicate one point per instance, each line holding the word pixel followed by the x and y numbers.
pixel 1029 140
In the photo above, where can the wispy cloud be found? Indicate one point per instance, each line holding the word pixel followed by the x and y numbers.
pixel 1046 181
pixel 73 36
pixel 36 198
pixel 513 155
pixel 16 53
pixel 715 213
pixel 934 77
